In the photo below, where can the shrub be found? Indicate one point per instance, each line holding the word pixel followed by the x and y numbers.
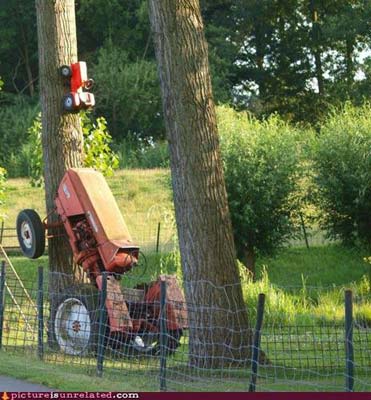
pixel 16 116
pixel 342 164
pixel 138 153
pixel 261 163
pixel 97 151
pixel 34 153
pixel 128 94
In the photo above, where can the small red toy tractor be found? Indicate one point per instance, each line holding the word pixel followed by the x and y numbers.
pixel 101 242
pixel 76 80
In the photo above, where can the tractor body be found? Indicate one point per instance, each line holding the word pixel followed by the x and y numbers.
pixel 101 243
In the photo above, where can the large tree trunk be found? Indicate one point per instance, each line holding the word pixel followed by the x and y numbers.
pixel 218 318
pixel 62 135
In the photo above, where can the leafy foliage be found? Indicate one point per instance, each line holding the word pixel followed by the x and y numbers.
pixel 97 151
pixel 128 94
pixel 261 164
pixel 138 153
pixel 342 162
pixel 16 116
pixel 34 151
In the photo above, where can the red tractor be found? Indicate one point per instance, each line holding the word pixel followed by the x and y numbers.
pixel 75 78
pixel 100 242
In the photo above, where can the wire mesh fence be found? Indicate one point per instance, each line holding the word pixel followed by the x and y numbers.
pixel 155 230
pixel 153 334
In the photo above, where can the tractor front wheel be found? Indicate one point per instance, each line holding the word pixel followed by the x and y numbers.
pixel 31 233
pixel 68 103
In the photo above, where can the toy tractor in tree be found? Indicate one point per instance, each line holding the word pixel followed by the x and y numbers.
pixel 101 243
pixel 75 79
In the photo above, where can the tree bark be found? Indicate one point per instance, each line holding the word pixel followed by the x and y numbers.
pixel 62 138
pixel 219 332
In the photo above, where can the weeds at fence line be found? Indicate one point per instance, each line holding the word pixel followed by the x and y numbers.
pixel 301 354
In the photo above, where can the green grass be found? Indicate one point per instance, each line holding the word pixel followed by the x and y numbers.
pixel 70 378
pixel 321 266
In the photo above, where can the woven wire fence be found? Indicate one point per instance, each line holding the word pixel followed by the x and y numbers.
pixel 155 230
pixel 154 336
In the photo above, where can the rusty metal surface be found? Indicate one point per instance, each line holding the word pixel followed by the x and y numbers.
pixel 101 209
pixel 177 316
pixel 118 313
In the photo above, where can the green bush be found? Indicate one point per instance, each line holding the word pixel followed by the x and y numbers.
pixel 16 116
pixel 262 166
pixel 97 151
pixel 342 164
pixel 137 153
pixel 34 153
pixel 128 94
pixel 154 155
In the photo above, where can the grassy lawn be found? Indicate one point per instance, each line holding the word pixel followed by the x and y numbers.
pixel 70 378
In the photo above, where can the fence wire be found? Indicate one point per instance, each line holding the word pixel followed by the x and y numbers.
pixel 203 348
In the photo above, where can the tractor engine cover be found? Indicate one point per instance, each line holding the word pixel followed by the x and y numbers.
pixel 95 227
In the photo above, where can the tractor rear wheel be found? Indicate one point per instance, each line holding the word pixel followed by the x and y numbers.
pixel 74 327
pixel 30 233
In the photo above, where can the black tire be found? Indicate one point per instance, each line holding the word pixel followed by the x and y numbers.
pixel 31 234
pixel 68 103
pixel 74 321
pixel 65 71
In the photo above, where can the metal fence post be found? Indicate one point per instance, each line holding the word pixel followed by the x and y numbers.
pixel 158 237
pixel 102 325
pixel 257 335
pixel 349 351
pixel 2 232
pixel 2 301
pixel 163 335
pixel 40 313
